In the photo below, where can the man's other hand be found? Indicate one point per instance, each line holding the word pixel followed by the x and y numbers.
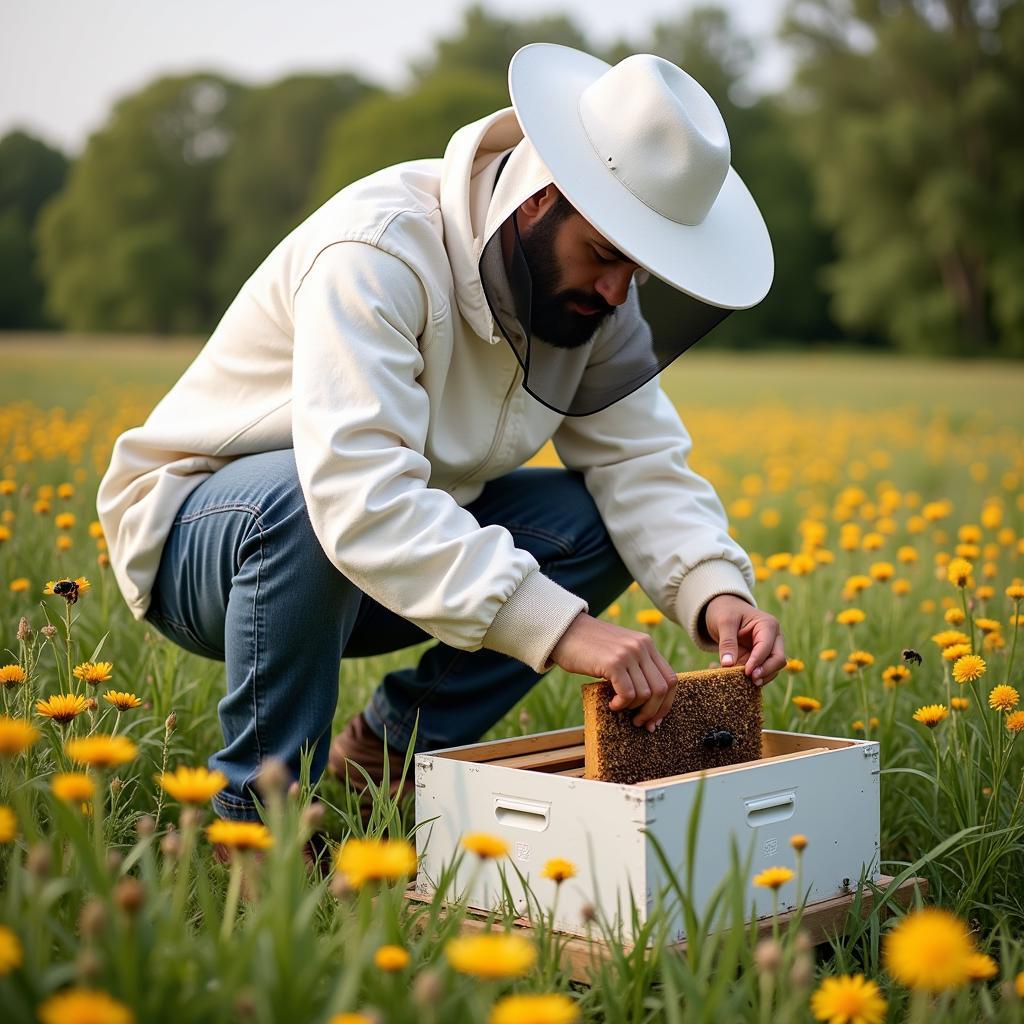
pixel 640 676
pixel 745 636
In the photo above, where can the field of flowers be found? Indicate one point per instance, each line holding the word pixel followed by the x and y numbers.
pixel 881 503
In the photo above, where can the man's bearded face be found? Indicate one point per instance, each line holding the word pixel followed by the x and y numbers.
pixel 552 316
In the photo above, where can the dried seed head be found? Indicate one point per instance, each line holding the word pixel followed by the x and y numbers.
pixel 115 858
pixel 339 886
pixel 802 972
pixel 294 791
pixel 245 1005
pixel 170 845
pixel 145 826
pixel 767 956
pixel 49 631
pixel 190 817
pixel 802 943
pixel 39 860
pixel 273 778
pixel 130 895
pixel 588 913
pixel 88 966
pixel 313 817
pixel 92 919
pixel 427 989
pixel 170 723
pixel 25 632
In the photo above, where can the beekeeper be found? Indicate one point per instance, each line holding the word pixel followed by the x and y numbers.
pixel 338 473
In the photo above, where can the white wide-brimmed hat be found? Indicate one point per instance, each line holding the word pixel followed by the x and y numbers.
pixel 642 152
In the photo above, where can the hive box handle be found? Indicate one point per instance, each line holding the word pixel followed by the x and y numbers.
pixel 767 809
pixel 521 813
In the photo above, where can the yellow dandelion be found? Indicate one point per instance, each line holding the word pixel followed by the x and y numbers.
pixel 559 870
pixel 1003 698
pixel 929 949
pixel 968 668
pixel 492 955
pixel 1015 592
pixel 783 592
pixel 798 842
pixel 931 715
pixel 365 860
pixel 70 590
pixel 242 836
pixel 855 584
pixel 84 1006
pixel 191 785
pixel 794 665
pixel 850 616
pixel 101 751
pixel 8 486
pixel 10 951
pixel 773 878
pixel 65 543
pixel 649 617
pixel 958 572
pixel 16 735
pixel 353 1018
pixel 850 667
pixel 960 703
pixel 954 616
pixel 955 651
pixel 8 824
pixel 988 625
pixel 74 787
pixel 848 999
pixel 12 675
pixel 391 958
pixel 807 704
pixel 94 673
pixel 484 845
pixel 882 571
pixel 981 967
pixel 122 701
pixel 1015 721
pixel 984 593
pixel 65 491
pixel 19 585
pixel 1018 985
pixel 895 675
pixel 534 1009
pixel 614 611
pixel 95 530
pixel 64 520
pixel 948 637
pixel 857 725
pixel 861 658
pixel 829 654
pixel 61 707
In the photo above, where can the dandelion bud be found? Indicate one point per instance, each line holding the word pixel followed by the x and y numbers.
pixel 427 989
pixel 525 718
pixel 802 943
pixel 88 966
pixel 170 723
pixel 767 956
pixel 39 860
pixel 145 826
pixel 273 778
pixel 25 630
pixel 49 631
pixel 115 858
pixel 130 895
pixel 339 886
pixel 313 817
pixel 294 791
pixel 170 845
pixel 588 913
pixel 802 972
pixel 92 919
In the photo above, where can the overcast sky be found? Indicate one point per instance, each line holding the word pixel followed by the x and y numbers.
pixel 64 62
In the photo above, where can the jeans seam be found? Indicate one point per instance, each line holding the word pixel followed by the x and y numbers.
pixel 564 547
pixel 234 506
pixel 256 651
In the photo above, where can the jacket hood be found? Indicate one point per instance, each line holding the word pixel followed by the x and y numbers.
pixel 473 209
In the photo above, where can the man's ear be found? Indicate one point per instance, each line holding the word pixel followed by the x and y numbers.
pixel 537 205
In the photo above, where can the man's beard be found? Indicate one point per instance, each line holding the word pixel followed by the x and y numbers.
pixel 550 316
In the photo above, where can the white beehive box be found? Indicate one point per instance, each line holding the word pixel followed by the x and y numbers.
pixel 530 791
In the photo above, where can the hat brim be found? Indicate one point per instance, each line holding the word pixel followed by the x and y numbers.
pixel 726 260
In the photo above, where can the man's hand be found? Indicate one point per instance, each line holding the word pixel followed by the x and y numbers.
pixel 640 676
pixel 745 636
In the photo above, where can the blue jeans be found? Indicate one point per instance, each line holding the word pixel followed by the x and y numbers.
pixel 244 580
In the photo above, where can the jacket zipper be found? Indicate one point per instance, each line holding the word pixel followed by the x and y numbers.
pixel 498 433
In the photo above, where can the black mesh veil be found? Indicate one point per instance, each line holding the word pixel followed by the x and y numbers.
pixel 625 352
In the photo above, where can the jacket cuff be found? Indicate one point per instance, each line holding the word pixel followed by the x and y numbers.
pixel 703 582
pixel 532 620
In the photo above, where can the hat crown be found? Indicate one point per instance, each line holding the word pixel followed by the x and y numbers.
pixel 659 132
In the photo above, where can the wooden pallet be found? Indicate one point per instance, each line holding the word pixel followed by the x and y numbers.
pixel 580 956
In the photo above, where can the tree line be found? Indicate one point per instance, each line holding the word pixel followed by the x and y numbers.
pixel 890 172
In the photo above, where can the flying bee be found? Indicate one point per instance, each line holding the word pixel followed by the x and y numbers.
pixel 911 655
pixel 68 589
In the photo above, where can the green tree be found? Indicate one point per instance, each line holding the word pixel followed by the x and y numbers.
pixel 387 129
pixel 911 126
pixel 485 42
pixel 30 173
pixel 265 179
pixel 131 242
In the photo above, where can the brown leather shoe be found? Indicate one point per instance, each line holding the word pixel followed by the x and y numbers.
pixel 358 744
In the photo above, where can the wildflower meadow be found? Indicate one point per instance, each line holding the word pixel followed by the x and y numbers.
pixel 881 503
